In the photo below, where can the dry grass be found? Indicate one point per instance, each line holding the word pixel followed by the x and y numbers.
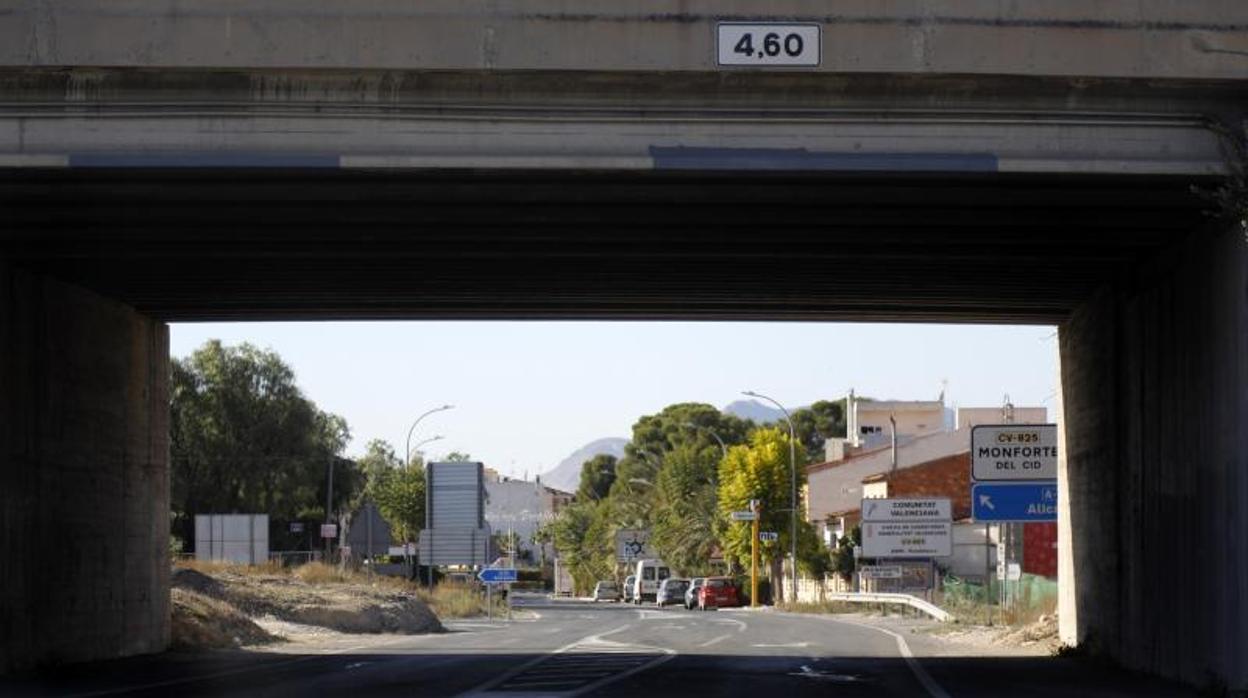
pixel 447 600
pixel 202 622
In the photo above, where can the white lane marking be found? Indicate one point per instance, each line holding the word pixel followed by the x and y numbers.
pixel 933 689
pixel 515 671
pixel 714 640
pixel 732 621
pixel 783 644
pixel 240 670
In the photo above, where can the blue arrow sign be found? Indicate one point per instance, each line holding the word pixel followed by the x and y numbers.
pixel 494 575
pixel 1027 502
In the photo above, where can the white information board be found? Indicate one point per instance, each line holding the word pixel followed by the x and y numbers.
pixel 907 539
pixel 1014 452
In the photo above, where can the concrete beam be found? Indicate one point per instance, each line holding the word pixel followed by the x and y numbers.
pixel 1109 38
pixel 1155 466
pixel 84 482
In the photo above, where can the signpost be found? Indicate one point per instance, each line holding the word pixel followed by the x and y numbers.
pixel 1028 502
pixel 907 528
pixel 880 572
pixel 1003 452
pixel 497 575
pixel 631 544
pixel 743 516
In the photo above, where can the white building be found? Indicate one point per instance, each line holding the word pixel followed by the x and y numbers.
pixel 521 506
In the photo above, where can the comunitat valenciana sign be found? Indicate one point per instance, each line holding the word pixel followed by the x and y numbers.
pixel 907 528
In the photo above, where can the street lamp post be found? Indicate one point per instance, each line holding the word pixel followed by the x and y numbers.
pixel 408 452
pixel 722 446
pixel 407 460
pixel 792 492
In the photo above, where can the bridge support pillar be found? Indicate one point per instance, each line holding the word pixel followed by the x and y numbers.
pixel 84 480
pixel 1154 515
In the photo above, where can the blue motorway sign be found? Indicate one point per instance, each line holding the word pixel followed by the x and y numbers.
pixel 1015 501
pixel 494 575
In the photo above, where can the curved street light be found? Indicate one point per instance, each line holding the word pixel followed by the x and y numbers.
pixel 407 455
pixel 416 450
pixel 792 491
pixel 722 446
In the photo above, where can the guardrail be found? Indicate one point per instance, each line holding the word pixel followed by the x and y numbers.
pixel 904 599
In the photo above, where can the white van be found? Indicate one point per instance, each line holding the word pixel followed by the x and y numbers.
pixel 649 575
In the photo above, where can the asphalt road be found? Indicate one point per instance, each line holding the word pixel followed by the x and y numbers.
pixel 576 648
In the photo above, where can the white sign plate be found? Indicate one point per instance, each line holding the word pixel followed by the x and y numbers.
pixel 631 544
pixel 1010 573
pixel 767 44
pixel 907 539
pixel 329 530
pixel 924 509
pixel 1014 452
pixel 743 516
pixel 880 572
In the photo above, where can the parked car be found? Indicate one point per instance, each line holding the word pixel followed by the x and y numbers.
pixel 718 592
pixel 691 593
pixel 628 588
pixel 606 591
pixel 650 574
pixel 671 591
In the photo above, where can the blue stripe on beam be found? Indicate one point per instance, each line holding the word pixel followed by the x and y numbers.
pixel 802 160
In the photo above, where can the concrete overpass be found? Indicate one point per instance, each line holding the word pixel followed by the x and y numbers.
pixel 976 162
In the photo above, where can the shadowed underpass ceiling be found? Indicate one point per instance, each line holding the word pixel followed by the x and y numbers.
pixel 275 244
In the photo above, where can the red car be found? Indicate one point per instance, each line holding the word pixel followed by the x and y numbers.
pixel 717 592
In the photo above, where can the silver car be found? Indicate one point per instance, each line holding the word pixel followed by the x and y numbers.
pixel 671 591
pixel 606 591
pixel 691 593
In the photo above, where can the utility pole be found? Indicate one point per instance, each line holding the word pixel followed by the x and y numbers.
pixel 757 509
pixel 329 503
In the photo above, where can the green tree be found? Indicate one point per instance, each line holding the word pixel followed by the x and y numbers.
pixel 816 424
pixel 458 457
pixel 244 438
pixel 597 476
pixel 760 471
pixel 684 530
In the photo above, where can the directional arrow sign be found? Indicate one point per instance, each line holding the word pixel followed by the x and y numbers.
pixel 744 516
pixel 1016 501
pixel 495 575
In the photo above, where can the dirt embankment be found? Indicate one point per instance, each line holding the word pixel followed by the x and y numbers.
pixel 219 606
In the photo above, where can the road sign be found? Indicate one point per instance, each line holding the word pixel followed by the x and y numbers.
pixel 631 544
pixel 496 575
pixel 880 572
pixel 329 530
pixel 1014 452
pixel 1015 501
pixel 768 536
pixel 907 539
pixel 296 527
pixel 913 509
pixel 1009 573
pixel 744 516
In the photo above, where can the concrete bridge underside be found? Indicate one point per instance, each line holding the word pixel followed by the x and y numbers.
pixel 1151 298
pixel 169 160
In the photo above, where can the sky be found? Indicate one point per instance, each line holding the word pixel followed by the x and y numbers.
pixel 528 394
